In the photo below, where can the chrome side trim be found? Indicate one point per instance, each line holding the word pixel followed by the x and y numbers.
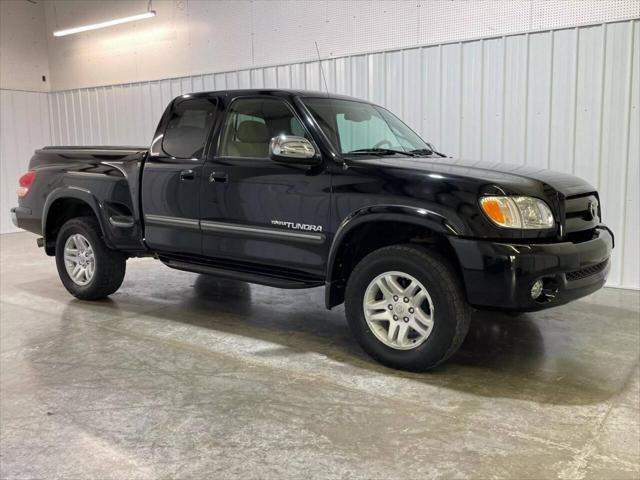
pixel 119 222
pixel 118 166
pixel 172 221
pixel 261 231
pixel 233 228
pixel 89 174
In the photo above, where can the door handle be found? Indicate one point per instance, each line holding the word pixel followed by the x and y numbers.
pixel 187 175
pixel 218 177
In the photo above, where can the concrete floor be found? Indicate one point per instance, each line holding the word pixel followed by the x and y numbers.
pixel 184 376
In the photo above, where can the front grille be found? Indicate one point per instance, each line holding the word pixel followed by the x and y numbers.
pixel 582 212
pixel 586 272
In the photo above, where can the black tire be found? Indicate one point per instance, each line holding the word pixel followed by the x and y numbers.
pixel 452 314
pixel 110 265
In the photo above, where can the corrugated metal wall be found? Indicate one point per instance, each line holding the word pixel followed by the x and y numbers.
pixel 24 126
pixel 565 100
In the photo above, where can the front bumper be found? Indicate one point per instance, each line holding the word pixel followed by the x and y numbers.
pixel 500 275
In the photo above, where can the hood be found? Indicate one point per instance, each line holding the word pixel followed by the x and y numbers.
pixel 512 179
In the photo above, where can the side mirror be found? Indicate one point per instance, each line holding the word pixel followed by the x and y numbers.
pixel 292 149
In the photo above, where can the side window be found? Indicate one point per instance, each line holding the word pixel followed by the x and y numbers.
pixel 252 123
pixel 296 128
pixel 188 127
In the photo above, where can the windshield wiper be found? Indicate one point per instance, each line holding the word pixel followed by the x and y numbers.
pixel 379 151
pixel 426 151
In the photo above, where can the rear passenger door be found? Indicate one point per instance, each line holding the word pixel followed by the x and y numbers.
pixel 172 174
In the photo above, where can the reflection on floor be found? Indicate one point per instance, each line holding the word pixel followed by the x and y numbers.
pixel 180 375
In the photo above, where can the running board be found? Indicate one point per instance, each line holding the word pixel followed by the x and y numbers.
pixel 241 275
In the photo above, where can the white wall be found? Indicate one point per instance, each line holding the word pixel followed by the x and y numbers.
pixel 192 37
pixel 23 46
pixel 24 126
pixel 24 111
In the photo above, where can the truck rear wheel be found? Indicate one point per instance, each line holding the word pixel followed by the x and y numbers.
pixel 88 269
pixel 406 307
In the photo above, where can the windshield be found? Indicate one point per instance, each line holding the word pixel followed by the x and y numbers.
pixel 360 128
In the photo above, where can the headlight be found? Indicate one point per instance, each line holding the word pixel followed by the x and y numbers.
pixel 518 212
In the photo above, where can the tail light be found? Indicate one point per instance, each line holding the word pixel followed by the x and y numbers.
pixel 25 183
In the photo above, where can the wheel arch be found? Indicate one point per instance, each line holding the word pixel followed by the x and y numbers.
pixel 66 203
pixel 374 227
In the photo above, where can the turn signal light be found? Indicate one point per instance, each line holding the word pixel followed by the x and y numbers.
pixel 25 183
pixel 502 211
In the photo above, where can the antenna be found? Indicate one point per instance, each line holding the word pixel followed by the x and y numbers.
pixel 322 69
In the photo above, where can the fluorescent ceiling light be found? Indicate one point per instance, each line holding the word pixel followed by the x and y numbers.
pixel 110 23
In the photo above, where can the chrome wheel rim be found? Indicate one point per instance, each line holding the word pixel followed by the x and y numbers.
pixel 398 310
pixel 79 259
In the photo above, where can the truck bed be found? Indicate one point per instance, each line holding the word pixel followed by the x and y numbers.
pixel 93 155
pixel 93 147
pixel 104 177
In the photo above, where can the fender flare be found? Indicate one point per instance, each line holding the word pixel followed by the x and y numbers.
pixel 76 193
pixel 376 213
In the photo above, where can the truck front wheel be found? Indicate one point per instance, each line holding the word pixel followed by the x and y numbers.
pixel 406 307
pixel 89 270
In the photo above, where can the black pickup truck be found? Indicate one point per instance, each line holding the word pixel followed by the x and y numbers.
pixel 297 189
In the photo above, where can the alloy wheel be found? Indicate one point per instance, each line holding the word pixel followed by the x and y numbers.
pixel 79 259
pixel 398 310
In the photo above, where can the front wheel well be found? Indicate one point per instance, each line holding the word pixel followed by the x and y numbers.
pixel 371 236
pixel 61 211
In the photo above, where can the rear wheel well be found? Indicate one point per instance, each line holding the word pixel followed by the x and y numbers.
pixel 370 236
pixel 61 211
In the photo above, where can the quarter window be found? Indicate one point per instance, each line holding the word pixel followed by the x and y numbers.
pixel 188 127
pixel 253 122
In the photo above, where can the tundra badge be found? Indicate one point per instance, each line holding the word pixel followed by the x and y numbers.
pixel 297 226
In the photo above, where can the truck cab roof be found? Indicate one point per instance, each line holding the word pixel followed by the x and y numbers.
pixel 275 92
